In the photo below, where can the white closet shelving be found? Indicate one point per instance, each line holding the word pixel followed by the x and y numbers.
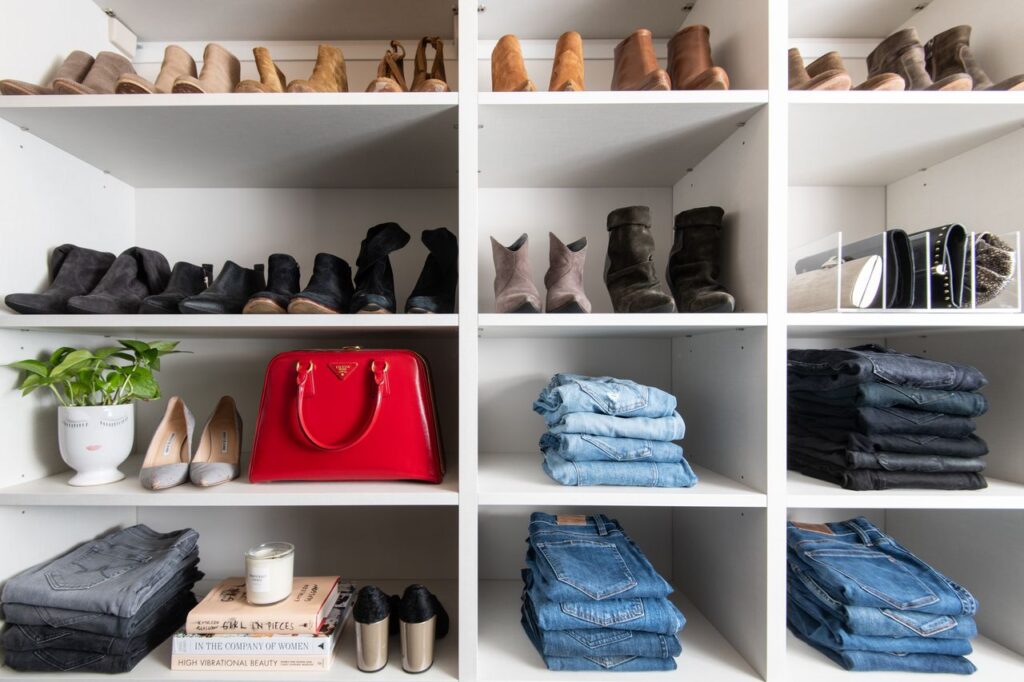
pixel 218 177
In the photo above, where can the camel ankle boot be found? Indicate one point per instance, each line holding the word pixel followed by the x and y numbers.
pixel 695 261
pixel 329 74
pixel 567 71
pixel 564 278
pixel 272 79
pixel 831 62
pixel 177 63
pixel 800 79
pixel 514 290
pixel 629 271
pixel 435 79
pixel 689 61
pixel 101 79
pixel 949 54
pixel 636 65
pixel 508 71
pixel 902 54
pixel 390 71
pixel 221 72
pixel 74 69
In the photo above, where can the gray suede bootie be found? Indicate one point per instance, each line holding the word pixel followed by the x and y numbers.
pixel 629 271
pixel 693 264
pixel 564 278
pixel 170 450
pixel 514 290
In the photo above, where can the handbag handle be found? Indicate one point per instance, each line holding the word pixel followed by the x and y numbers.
pixel 304 379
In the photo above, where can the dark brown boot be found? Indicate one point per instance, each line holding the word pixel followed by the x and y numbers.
pixel 689 61
pixel 567 71
pixel 629 271
pixel 508 71
pixel 831 62
pixel 695 261
pixel 902 54
pixel 949 53
pixel 101 79
pixel 636 65
pixel 75 68
pixel 800 79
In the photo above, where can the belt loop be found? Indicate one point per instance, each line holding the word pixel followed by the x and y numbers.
pixel 863 533
pixel 601 520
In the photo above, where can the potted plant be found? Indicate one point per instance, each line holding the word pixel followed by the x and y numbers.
pixel 96 391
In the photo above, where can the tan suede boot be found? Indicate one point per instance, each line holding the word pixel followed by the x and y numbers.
pixel 508 71
pixel 636 66
pixel 831 61
pixel 567 71
pixel 75 68
pixel 221 71
pixel 390 71
pixel 949 53
pixel 689 61
pixel 101 79
pixel 514 290
pixel 902 54
pixel 564 278
pixel 800 79
pixel 435 79
pixel 329 74
pixel 177 63
pixel 271 77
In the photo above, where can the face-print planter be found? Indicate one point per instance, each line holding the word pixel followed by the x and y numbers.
pixel 94 441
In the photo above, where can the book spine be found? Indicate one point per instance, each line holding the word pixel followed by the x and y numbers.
pixel 242 645
pixel 207 625
pixel 251 663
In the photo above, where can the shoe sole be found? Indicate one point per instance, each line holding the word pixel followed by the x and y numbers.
pixel 304 306
pixel 568 308
pixel 262 306
pixel 373 309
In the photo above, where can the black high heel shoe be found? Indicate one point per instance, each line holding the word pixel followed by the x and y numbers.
pixel 372 613
pixel 422 619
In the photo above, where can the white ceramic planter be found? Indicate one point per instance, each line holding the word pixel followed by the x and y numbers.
pixel 94 441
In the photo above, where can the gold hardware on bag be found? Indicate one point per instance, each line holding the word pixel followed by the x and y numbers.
pixel 351 348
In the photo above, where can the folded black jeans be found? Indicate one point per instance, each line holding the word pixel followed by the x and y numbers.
pixel 806 433
pixel 891 461
pixel 874 394
pixel 821 370
pixel 865 479
pixel 883 420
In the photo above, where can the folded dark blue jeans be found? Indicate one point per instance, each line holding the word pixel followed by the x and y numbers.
pixel 866 479
pixel 822 370
pixel 883 420
pixel 873 394
pixel 809 434
pixel 889 461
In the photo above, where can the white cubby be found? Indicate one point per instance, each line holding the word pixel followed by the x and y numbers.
pixel 209 178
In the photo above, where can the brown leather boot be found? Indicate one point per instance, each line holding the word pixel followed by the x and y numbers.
pixel 689 61
pixel 390 71
pixel 902 54
pixel 949 53
pixel 329 74
pixel 636 66
pixel 101 79
pixel 514 290
pixel 177 63
pixel 800 79
pixel 75 68
pixel 831 61
pixel 435 79
pixel 271 77
pixel 508 71
pixel 220 73
pixel 564 278
pixel 567 71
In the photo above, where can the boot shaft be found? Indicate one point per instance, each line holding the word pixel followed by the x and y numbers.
pixel 830 61
pixel 374 274
pixel 508 71
pixel 220 73
pixel 902 54
pixel 697 236
pixel 514 290
pixel 435 79
pixel 435 288
pixel 283 273
pixel 949 53
pixel 177 63
pixel 689 60
pixel 329 74
pixel 567 71
pixel 271 77
pixel 234 281
pixel 629 237
pixel 565 262
pixel 188 279
pixel 330 273
pixel 101 79
pixel 798 76
pixel 636 65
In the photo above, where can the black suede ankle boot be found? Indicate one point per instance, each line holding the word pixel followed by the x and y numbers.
pixel 329 289
pixel 74 271
pixel 186 280
pixel 435 289
pixel 375 281
pixel 695 260
pixel 134 275
pixel 629 271
pixel 229 292
pixel 282 284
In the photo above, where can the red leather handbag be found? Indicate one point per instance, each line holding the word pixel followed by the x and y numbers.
pixel 347 415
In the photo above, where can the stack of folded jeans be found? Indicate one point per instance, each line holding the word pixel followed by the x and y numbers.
pixel 103 606
pixel 592 600
pixel 869 418
pixel 605 431
pixel 863 600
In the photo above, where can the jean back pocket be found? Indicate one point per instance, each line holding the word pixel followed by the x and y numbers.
pixel 95 566
pixel 596 569
pixel 877 574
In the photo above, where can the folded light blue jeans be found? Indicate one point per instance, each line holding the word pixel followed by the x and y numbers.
pixel 644 428
pixel 568 393
pixel 583 447
pixel 646 474
pixel 866 661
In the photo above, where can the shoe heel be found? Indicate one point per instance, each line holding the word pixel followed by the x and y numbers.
pixel 417 645
pixel 372 646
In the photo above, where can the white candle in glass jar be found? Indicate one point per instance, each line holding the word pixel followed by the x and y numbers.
pixel 268 572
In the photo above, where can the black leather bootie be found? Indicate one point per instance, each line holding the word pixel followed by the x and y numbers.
pixel 186 280
pixel 695 260
pixel 134 275
pixel 74 271
pixel 629 271
pixel 435 289
pixel 375 281
pixel 329 289
pixel 282 284
pixel 229 293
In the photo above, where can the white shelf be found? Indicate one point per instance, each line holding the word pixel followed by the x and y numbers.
pixel 289 140
pixel 810 493
pixel 895 323
pixel 849 18
pixel 995 663
pixel 518 479
pixel 54 491
pixel 875 138
pixel 604 139
pixel 541 19
pixel 507 655
pixel 610 324
pixel 248 326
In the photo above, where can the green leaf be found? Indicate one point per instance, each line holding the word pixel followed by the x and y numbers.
pixel 164 346
pixel 31 366
pixel 58 355
pixel 32 382
pixel 73 359
pixel 103 353
pixel 137 346
pixel 25 390
pixel 149 356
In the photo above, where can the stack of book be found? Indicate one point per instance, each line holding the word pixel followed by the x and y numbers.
pixel 225 632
